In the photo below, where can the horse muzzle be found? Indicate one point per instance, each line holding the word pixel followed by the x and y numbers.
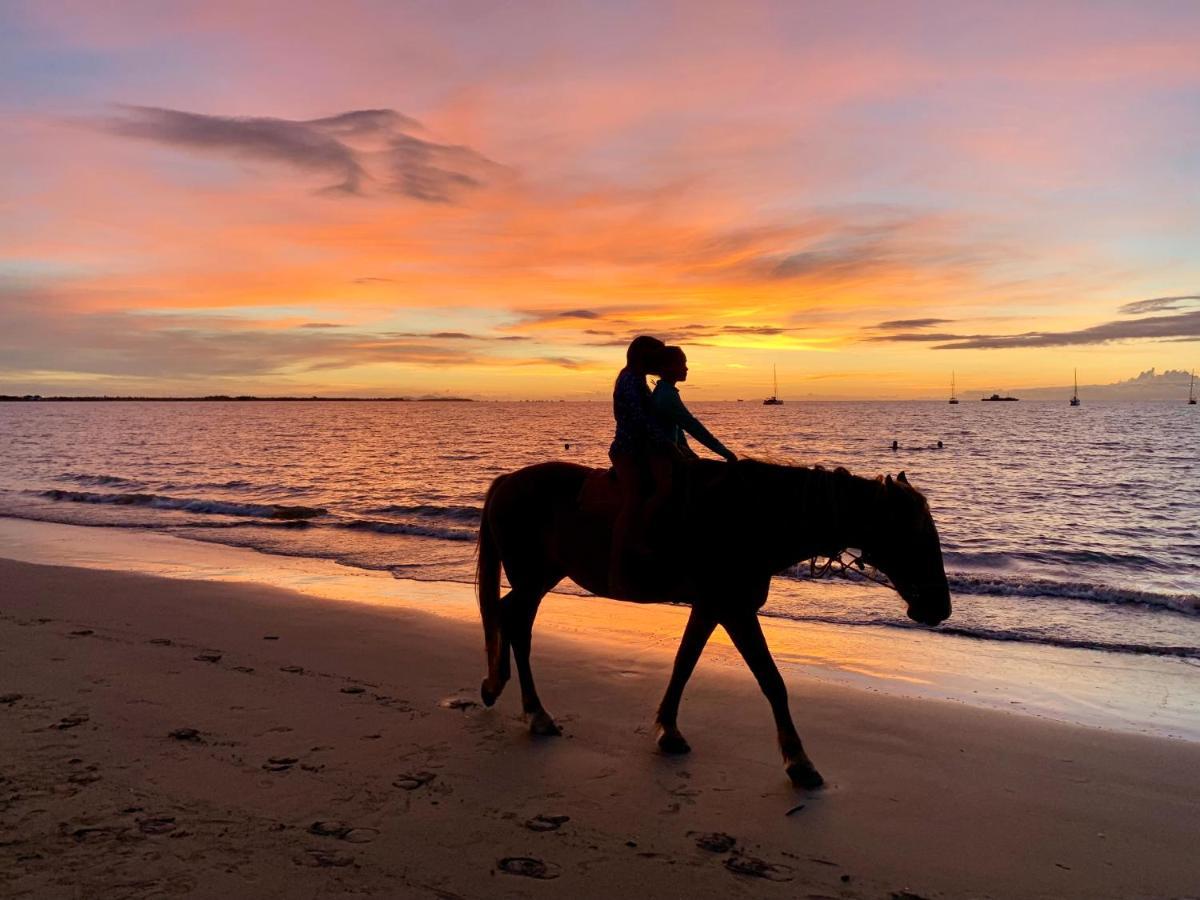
pixel 929 604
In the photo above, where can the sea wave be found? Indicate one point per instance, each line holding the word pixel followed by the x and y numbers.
pixel 1025 586
pixel 184 504
pixel 995 634
pixel 416 529
pixel 1077 557
pixel 100 480
pixel 1014 585
pixel 432 511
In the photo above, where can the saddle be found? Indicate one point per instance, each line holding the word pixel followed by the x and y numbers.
pixel 599 496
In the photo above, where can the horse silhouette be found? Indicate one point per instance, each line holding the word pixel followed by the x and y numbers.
pixel 736 526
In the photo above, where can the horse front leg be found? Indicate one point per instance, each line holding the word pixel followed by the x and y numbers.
pixel 746 633
pixel 699 628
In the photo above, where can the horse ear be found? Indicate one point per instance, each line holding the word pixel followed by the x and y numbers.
pixel 888 481
pixel 901 477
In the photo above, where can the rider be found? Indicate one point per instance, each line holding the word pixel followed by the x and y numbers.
pixel 673 369
pixel 641 450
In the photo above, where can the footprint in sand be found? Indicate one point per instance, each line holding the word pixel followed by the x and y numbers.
pixel 9 699
pixel 292 670
pixel 208 656
pixel 83 777
pixel 245 670
pixel 324 859
pixel 270 637
pixel 162 642
pixel 69 722
pixel 753 867
pixel 714 841
pixel 543 822
pixel 412 781
pixel 528 867
pixel 156 824
pixel 186 734
pixel 463 703
pixel 280 763
pixel 343 832
pixel 353 689
pixel 83 632
pixel 96 833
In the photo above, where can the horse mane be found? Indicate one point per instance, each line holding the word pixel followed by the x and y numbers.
pixel 773 468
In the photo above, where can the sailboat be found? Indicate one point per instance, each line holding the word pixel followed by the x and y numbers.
pixel 1192 390
pixel 953 396
pixel 774 400
pixel 1075 396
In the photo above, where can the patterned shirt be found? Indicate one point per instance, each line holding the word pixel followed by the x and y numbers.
pixel 638 428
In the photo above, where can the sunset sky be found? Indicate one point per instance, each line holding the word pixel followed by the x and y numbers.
pixel 490 199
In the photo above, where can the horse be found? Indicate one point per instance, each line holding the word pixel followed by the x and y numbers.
pixel 737 525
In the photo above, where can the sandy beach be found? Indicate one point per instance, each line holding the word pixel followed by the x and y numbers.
pixel 166 737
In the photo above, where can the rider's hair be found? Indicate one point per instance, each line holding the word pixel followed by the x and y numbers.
pixel 643 353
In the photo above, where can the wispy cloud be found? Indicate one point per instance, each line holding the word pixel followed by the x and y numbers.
pixel 1185 326
pixel 347 147
pixel 1160 304
pixel 902 324
pixel 34 336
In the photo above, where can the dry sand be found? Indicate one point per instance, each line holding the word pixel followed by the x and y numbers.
pixel 325 759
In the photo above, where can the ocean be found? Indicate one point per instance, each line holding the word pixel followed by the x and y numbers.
pixel 1073 527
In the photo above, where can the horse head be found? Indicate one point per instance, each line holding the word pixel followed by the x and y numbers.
pixel 905 547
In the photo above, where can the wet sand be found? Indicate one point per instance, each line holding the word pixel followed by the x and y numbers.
pixel 166 736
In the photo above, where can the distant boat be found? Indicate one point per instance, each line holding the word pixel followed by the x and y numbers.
pixel 774 400
pixel 1075 396
pixel 1192 390
pixel 953 397
pixel 997 397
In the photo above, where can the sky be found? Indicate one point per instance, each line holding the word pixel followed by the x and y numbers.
pixel 491 199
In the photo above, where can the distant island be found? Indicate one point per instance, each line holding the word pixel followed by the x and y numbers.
pixel 38 398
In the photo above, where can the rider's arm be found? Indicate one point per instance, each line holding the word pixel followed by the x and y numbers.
pixel 671 407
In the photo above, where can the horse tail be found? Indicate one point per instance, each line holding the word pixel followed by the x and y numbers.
pixel 487 585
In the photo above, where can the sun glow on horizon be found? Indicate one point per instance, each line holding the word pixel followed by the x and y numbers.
pixel 866 202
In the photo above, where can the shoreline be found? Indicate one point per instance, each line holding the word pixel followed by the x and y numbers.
pixel 336 750
pixel 1157 696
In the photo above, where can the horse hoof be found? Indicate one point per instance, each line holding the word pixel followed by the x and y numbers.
pixel 804 775
pixel 673 743
pixel 486 693
pixel 542 725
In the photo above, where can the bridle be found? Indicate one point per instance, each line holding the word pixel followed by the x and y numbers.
pixel 845 562
pixel 848 564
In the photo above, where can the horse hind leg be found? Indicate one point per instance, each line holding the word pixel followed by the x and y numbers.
pixel 493 685
pixel 519 612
